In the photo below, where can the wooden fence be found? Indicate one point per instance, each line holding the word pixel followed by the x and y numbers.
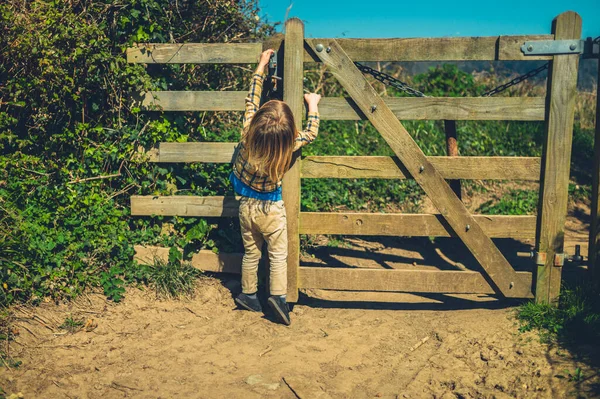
pixel 551 170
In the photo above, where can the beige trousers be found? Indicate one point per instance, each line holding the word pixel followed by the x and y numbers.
pixel 260 222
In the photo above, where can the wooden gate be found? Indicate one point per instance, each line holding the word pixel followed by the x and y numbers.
pixel 476 231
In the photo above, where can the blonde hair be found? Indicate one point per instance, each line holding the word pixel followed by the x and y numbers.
pixel 270 138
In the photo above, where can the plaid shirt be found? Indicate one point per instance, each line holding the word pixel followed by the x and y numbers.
pixel 247 172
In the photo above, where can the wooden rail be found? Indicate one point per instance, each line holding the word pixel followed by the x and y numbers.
pixel 364 167
pixel 194 53
pixel 400 280
pixel 417 225
pixel 492 48
pixel 341 108
pixel 410 225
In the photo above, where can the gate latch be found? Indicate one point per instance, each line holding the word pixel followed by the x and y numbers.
pixel 553 47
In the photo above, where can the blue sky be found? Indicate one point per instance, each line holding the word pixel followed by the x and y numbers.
pixel 433 18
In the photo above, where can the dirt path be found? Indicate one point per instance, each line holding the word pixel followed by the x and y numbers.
pixel 204 348
pixel 340 344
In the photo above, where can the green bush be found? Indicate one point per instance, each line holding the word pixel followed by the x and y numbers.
pixel 70 135
pixel 516 202
pixel 576 318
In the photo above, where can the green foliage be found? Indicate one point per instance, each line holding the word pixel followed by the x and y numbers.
pixel 577 317
pixel 516 202
pixel 174 278
pixel 448 81
pixel 70 133
pixel 71 325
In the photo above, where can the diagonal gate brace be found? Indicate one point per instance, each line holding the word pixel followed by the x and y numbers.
pixel 437 189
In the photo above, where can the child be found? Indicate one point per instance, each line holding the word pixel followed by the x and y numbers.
pixel 269 138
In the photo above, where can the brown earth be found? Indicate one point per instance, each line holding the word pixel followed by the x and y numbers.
pixel 340 344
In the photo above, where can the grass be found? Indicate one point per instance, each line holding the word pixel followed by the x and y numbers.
pixel 576 319
pixel 173 279
pixel 6 336
pixel 71 325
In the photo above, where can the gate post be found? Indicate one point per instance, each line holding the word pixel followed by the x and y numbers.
pixel 594 244
pixel 293 71
pixel 556 160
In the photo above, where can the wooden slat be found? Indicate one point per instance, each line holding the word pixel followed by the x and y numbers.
pixel 191 100
pixel 293 83
pixel 415 225
pixel 554 190
pixel 204 260
pixel 435 281
pixel 340 108
pixel 498 168
pixel 335 223
pixel 415 162
pixel 502 48
pixel 437 108
pixel 194 53
pixel 450 282
pixel 594 242
pixel 196 152
pixel 184 205
pixel 491 48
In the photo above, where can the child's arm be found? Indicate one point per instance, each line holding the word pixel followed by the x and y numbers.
pixel 253 99
pixel 312 125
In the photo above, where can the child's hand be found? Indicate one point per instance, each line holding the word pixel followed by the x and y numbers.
pixel 312 100
pixel 264 58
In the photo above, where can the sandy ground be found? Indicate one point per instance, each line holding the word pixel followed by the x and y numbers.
pixel 340 344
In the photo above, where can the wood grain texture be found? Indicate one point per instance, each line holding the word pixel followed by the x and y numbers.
pixel 383 119
pixel 204 260
pixel 293 93
pixel 340 108
pixel 196 152
pixel 438 108
pixel 191 100
pixel 594 242
pixel 411 225
pixel 449 282
pixel 184 205
pixel 434 281
pixel 501 48
pixel 194 53
pixel 562 89
pixel 493 168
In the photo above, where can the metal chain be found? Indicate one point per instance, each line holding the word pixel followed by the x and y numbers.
pixel 389 80
pixel 400 85
pixel 516 80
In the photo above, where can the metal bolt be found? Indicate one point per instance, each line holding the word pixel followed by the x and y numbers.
pixel 573 47
pixel 319 47
pixel 530 48
pixel 421 169
pixel 373 108
pixel 468 227
pixel 328 49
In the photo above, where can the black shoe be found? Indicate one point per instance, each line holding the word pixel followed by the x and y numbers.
pixel 249 303
pixel 280 307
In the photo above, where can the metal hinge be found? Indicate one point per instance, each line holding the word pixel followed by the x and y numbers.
pixel 553 47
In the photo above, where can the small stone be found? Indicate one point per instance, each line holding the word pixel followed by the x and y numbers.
pixel 272 387
pixel 519 351
pixel 254 379
pixel 483 357
pixel 524 386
